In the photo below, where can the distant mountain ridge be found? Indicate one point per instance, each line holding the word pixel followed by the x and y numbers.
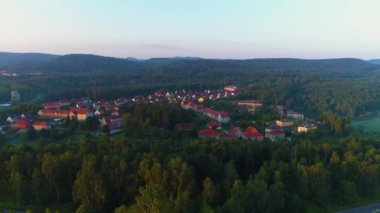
pixel 95 63
pixel 8 59
pixel 375 61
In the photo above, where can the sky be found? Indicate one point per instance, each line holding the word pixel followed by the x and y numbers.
pixel 204 28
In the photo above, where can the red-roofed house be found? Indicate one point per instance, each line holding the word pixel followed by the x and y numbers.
pixel 193 106
pixel 221 117
pixel 229 135
pixel 39 125
pixel 23 123
pixel 251 133
pixel 213 125
pixel 224 117
pixel 237 132
pixel 55 105
pixel 159 93
pixel 230 88
pixel 50 113
pixel 209 133
pixel 83 114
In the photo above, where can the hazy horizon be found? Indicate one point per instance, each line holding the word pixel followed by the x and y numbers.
pixel 212 29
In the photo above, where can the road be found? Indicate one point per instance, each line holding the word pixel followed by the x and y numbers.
pixel 363 209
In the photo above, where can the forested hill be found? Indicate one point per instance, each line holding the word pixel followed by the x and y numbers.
pixel 94 63
pixel 10 59
pixel 277 64
pixel 375 61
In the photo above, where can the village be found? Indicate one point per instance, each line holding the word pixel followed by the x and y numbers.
pixel 220 124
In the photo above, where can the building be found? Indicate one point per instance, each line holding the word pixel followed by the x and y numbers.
pixel 237 132
pixel 15 96
pixel 275 133
pixel 295 115
pixel 212 133
pixel 221 117
pixel 305 128
pixel 51 113
pixel 83 114
pixel 55 105
pixel 250 103
pixel 193 106
pixel 114 123
pixel 251 133
pixel 284 123
pixel 230 88
pixel 121 101
pixel 21 124
pixel 159 93
pixel 213 125
pixel 40 125
pixel 228 135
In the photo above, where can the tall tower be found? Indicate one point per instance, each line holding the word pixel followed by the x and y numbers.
pixel 15 96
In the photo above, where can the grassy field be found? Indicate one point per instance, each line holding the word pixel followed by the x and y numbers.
pixel 371 125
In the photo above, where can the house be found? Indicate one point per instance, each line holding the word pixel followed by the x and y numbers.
pixel 40 125
pixel 10 119
pixel 237 132
pixel 295 115
pixel 221 117
pixel 82 102
pixel 138 98
pixel 274 133
pixel 98 112
pixel 193 106
pixel 111 108
pixel 284 122
pixel 159 93
pixel 228 135
pixel 306 127
pixel 83 114
pixel 209 133
pixel 121 101
pixel 250 103
pixel 60 114
pixel 213 125
pixel 21 124
pixel 230 88
pixel 251 133
pixel 55 105
pixel 115 112
pixel 114 123
pixel 100 104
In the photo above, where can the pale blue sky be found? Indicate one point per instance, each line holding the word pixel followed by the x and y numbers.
pixel 206 28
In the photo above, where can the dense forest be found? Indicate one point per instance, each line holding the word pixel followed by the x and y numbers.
pixel 169 175
pixel 155 165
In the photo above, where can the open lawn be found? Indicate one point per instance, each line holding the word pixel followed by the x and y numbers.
pixel 371 125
